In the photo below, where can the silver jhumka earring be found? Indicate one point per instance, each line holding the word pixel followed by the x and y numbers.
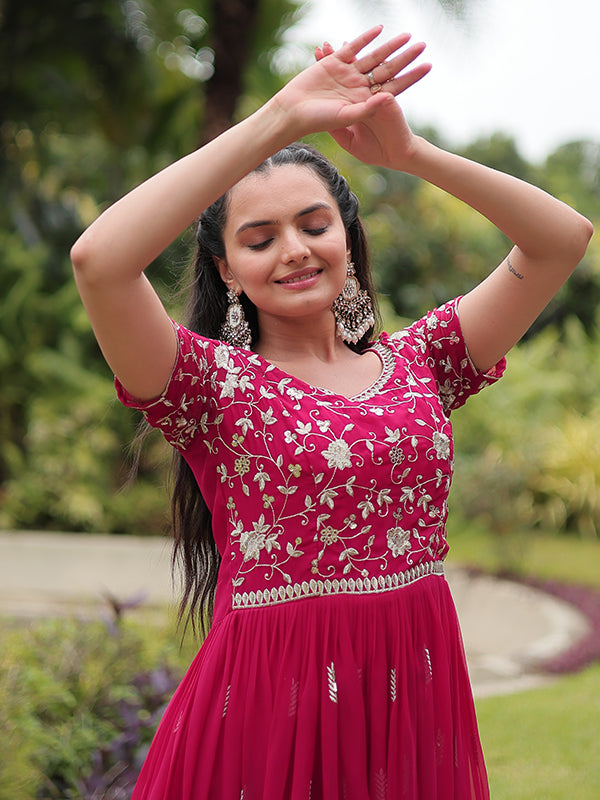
pixel 235 330
pixel 352 309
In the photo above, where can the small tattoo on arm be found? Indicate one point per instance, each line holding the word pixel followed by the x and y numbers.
pixel 513 270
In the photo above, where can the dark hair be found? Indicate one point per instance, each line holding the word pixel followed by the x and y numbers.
pixel 195 551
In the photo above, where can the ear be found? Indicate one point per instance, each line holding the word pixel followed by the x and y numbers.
pixel 226 275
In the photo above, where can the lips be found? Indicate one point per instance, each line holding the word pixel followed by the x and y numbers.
pixel 298 277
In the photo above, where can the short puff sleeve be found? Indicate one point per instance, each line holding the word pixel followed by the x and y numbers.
pixel 438 341
pixel 205 374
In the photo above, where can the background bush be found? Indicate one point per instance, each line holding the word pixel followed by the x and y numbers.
pixel 79 703
pixel 527 449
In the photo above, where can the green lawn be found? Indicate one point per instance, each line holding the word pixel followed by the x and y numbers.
pixel 542 744
pixel 548 557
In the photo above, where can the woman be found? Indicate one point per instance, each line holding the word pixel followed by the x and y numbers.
pixel 320 463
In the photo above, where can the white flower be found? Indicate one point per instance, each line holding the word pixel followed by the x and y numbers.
pixel 222 356
pixel 337 454
pixel 252 542
pixel 441 442
pixel 398 541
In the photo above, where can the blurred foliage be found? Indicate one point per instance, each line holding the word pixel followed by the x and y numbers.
pixel 94 97
pixel 431 247
pixel 79 704
pixel 540 467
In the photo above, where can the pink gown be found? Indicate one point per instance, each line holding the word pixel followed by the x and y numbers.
pixel 334 667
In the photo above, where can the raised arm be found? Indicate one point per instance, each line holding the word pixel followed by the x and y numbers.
pixel 109 259
pixel 550 238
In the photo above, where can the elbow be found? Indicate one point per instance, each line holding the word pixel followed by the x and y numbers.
pixel 576 242
pixel 79 254
pixel 84 259
pixel 581 239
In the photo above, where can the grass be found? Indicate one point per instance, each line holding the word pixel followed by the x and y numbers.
pixel 567 559
pixel 541 744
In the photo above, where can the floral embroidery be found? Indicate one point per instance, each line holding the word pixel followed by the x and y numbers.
pixel 398 541
pixel 313 493
pixel 329 535
pixel 338 454
pixel 241 465
pixel 441 443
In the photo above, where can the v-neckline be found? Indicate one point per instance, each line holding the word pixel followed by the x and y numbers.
pixel 387 365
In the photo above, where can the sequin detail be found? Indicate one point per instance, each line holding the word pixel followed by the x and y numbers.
pixel 321 588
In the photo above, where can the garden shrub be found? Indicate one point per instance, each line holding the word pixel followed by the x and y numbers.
pixel 79 704
pixel 527 450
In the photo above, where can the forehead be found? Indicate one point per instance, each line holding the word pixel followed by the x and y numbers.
pixel 279 191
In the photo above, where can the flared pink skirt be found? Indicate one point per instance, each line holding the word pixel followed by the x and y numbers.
pixel 350 697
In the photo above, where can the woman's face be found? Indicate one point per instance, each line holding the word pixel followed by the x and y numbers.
pixel 285 244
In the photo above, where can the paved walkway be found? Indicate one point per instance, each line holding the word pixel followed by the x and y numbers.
pixel 507 627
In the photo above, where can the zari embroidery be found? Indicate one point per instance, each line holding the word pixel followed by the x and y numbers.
pixel 320 588
pixel 313 493
pixel 332 684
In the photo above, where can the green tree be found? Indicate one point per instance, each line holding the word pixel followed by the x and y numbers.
pixel 93 98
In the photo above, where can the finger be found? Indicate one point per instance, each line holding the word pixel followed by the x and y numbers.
pixel 350 50
pixel 378 56
pixel 342 136
pixel 398 85
pixel 356 112
pixel 325 50
pixel 390 69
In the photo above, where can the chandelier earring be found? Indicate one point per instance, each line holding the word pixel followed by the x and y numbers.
pixel 235 330
pixel 352 309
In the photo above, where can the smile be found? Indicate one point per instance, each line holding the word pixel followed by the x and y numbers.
pixel 299 278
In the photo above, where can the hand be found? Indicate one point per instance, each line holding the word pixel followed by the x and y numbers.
pixel 383 137
pixel 335 93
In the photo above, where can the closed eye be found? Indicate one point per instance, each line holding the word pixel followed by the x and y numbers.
pixel 315 231
pixel 260 245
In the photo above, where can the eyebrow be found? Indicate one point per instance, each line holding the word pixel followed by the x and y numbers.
pixel 259 223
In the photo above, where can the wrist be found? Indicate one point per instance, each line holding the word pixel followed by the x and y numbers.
pixel 415 156
pixel 274 125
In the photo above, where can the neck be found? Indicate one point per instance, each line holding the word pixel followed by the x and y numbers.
pixel 299 339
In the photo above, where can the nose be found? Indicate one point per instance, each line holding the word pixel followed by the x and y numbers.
pixel 293 247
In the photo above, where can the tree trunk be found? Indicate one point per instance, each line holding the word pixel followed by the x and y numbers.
pixel 234 24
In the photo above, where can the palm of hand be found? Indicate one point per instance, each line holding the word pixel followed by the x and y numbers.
pixel 380 134
pixel 327 95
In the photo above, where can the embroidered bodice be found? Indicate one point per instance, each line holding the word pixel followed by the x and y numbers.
pixel 312 492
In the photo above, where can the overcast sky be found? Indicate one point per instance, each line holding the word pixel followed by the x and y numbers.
pixel 530 68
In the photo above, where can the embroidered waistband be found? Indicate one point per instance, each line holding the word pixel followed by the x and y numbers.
pixel 317 588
